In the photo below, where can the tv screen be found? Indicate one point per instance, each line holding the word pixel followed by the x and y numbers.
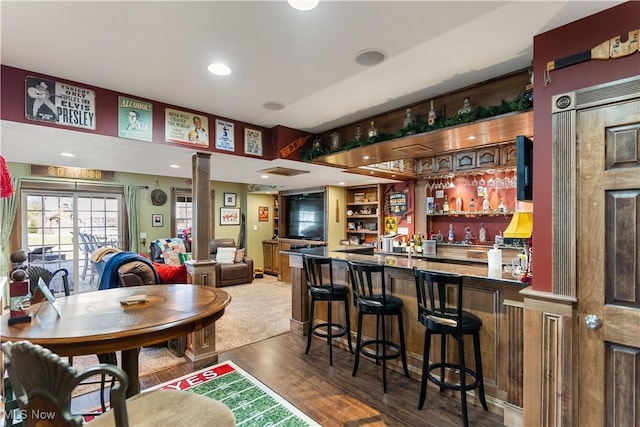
pixel 524 167
pixel 305 216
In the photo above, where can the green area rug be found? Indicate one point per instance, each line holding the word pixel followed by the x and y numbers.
pixel 253 403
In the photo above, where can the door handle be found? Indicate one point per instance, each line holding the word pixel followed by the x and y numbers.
pixel 593 322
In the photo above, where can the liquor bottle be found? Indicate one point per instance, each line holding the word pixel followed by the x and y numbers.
pixel 445 206
pixel 372 132
pixel 482 233
pixel 408 121
pixel 358 135
pixel 458 203
pixel 472 206
pixel 451 234
pixel 486 207
pixel 417 242
pixel 499 238
pixel 501 206
pixel 431 118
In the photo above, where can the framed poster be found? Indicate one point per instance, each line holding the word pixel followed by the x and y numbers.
pixel 134 119
pixel 56 102
pixel 229 216
pixel 252 142
pixel 224 136
pixel 157 220
pixel 180 126
pixel 263 213
pixel 229 199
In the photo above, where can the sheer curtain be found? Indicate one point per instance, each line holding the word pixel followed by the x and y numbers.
pixel 8 208
pixel 132 194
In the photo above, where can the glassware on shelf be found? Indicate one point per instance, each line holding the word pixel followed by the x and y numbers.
pixel 358 134
pixel 431 117
pixel 372 132
pixel 408 121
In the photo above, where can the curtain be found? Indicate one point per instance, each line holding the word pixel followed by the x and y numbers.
pixel 8 208
pixel 133 206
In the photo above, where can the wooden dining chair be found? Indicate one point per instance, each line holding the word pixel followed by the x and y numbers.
pixel 43 383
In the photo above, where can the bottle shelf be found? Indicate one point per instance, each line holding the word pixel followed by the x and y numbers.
pixel 472 214
pixel 362 231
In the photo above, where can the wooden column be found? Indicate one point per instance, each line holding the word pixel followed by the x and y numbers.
pixel 201 344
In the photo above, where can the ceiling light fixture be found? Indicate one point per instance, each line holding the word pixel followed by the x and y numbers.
pixel 265 176
pixel 471 137
pixel 303 5
pixel 273 106
pixel 370 57
pixel 341 183
pixel 174 166
pixel 67 155
pixel 366 157
pixel 219 69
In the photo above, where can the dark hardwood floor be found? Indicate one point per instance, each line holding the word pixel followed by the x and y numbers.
pixel 330 395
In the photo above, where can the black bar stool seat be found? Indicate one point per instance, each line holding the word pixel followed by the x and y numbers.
pixel 439 299
pixel 371 298
pixel 329 292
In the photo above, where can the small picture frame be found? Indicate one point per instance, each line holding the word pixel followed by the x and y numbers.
pixel 229 216
pixel 157 220
pixel 358 197
pixel 263 213
pixel 229 199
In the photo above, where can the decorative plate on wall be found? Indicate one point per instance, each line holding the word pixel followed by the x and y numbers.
pixel 158 197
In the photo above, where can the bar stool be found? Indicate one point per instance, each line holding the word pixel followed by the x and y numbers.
pixel 325 292
pixel 441 313
pixel 370 296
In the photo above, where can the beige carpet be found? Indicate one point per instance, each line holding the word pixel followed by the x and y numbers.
pixel 257 311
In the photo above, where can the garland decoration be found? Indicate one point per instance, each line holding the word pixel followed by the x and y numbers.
pixel 522 103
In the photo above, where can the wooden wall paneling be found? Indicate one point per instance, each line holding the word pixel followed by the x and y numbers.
pixel 508 155
pixel 465 160
pixel 488 157
pixel 564 196
pixel 549 358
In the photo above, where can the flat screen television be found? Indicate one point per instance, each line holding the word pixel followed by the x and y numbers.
pixel 524 167
pixel 305 216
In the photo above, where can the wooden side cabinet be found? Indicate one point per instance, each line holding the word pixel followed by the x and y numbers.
pixel 271 256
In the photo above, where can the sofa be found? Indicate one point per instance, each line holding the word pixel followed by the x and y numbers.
pixel 230 270
pixel 233 268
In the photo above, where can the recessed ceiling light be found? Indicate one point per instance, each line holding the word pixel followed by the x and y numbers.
pixel 370 57
pixel 219 69
pixel 273 106
pixel 341 183
pixel 67 155
pixel 471 137
pixel 366 157
pixel 174 166
pixel 303 5
pixel 265 176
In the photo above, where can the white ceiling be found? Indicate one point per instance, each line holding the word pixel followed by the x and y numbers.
pixel 160 50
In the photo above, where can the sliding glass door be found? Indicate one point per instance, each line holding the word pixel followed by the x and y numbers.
pixel 62 228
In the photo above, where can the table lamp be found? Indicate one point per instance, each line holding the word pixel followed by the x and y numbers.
pixel 521 227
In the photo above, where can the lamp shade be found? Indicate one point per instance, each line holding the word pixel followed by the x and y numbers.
pixel 521 226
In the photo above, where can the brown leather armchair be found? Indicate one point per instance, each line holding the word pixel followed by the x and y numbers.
pixel 230 274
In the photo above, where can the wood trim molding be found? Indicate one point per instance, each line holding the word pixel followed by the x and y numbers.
pixel 549 329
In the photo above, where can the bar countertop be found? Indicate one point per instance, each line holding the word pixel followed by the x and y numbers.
pixel 343 253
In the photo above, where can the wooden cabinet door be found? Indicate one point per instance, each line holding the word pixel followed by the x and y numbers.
pixel 608 283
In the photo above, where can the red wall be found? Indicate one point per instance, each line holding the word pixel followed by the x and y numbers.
pixel 572 38
pixel 13 109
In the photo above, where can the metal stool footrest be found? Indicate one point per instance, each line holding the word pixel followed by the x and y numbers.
pixel 442 382
pixel 393 349
pixel 341 330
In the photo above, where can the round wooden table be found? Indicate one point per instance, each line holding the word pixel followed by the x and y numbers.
pixel 96 322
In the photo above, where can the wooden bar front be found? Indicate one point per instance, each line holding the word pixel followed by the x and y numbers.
pixel 496 300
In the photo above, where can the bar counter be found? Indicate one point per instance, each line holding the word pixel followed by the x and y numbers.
pixel 493 296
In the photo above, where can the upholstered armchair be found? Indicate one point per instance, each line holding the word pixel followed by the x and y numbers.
pixel 232 266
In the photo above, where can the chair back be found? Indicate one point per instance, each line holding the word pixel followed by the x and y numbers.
pixel 367 281
pixel 438 303
pixel 313 270
pixel 36 272
pixel 43 384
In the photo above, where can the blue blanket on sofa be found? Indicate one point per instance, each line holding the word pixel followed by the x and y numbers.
pixel 110 278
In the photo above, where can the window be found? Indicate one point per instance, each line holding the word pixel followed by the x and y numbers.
pixel 182 211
